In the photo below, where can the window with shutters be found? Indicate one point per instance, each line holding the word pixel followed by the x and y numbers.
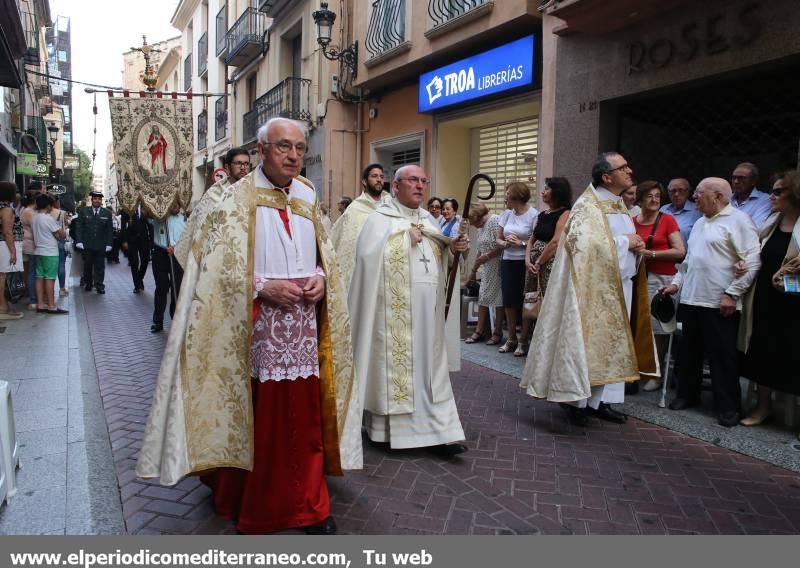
pixel 507 153
pixel 405 157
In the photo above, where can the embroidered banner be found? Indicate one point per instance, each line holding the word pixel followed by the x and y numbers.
pixel 153 146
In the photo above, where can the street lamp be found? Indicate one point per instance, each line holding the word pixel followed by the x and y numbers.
pixel 324 19
pixel 53 130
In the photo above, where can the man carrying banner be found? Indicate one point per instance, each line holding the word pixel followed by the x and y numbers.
pixel 256 385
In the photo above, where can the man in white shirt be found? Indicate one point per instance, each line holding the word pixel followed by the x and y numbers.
pixel 747 197
pixel 46 232
pixel 711 298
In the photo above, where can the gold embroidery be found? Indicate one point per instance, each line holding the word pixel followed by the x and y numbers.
pixel 398 318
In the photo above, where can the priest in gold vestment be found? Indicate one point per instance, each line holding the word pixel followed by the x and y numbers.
pixel 347 227
pixel 594 333
pixel 397 301
pixel 256 388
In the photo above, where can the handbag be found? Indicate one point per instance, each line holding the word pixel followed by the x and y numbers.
pixel 15 286
pixel 532 304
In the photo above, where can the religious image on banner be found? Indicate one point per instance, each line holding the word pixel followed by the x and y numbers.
pixel 153 144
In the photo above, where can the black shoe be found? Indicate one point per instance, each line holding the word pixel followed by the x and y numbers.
pixel 327 527
pixel 632 388
pixel 605 412
pixel 682 404
pixel 101 290
pixel 448 451
pixel 729 419
pixel 156 327
pixel 88 287
pixel 577 416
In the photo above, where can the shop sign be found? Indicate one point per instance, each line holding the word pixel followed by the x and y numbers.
pixel 507 67
pixel 71 162
pixel 717 33
pixel 26 164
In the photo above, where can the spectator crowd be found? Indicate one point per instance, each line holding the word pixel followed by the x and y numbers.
pixel 720 260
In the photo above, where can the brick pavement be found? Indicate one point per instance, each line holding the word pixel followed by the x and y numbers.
pixel 527 472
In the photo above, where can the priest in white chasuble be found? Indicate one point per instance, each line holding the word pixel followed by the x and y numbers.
pixel 256 390
pixel 397 305
pixel 594 333
pixel 347 227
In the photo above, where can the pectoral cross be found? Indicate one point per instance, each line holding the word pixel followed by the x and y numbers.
pixel 425 260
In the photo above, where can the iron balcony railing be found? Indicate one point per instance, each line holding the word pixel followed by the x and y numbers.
pixel 442 11
pixel 220 118
pixel 222 29
pixel 187 73
pixel 291 98
pixel 245 36
pixel 387 26
pixel 31 38
pixel 202 55
pixel 202 130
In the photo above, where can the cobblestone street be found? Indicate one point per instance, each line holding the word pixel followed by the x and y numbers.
pixel 527 472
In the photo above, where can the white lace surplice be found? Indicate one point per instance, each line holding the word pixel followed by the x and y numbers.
pixel 284 342
pixel 284 345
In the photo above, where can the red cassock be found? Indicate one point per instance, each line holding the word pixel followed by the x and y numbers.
pixel 287 488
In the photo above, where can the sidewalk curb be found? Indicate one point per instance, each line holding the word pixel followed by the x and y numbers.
pixel 94 505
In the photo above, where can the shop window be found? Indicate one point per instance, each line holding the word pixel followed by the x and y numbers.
pixel 507 153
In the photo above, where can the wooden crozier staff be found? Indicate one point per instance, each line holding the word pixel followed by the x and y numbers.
pixel 462 230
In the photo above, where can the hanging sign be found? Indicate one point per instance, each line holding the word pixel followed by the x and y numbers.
pixel 26 164
pixel 501 69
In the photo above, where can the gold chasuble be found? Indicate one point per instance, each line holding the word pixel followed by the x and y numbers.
pixel 584 337
pixel 207 202
pixel 347 228
pixel 202 414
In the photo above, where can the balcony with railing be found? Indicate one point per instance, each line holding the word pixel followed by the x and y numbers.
pixel 447 14
pixel 273 8
pixel 187 73
pixel 386 33
pixel 220 118
pixel 222 29
pixel 202 55
pixel 202 130
pixel 31 38
pixel 244 39
pixel 291 98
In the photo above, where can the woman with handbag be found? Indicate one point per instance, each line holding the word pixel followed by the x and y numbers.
pixel 664 248
pixel 541 249
pixel 10 250
pixel 770 322
pixel 488 259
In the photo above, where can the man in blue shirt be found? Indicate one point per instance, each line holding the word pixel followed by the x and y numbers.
pixel 747 197
pixel 167 272
pixel 680 207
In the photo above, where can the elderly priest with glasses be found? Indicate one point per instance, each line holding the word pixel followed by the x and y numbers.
pixel 256 388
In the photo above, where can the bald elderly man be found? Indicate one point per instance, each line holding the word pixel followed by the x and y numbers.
pixel 711 298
